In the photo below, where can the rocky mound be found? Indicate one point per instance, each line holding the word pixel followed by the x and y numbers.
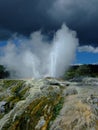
pixel 49 104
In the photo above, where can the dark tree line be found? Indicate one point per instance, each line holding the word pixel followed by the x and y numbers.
pixel 3 72
pixel 82 70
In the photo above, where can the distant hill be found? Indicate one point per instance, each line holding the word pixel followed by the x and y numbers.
pixel 89 70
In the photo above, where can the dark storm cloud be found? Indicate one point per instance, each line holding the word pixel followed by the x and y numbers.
pixel 80 15
pixel 25 16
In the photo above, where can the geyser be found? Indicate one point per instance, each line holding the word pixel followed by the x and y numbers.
pixel 35 57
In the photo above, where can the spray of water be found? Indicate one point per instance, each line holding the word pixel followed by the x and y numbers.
pixel 35 57
pixel 63 51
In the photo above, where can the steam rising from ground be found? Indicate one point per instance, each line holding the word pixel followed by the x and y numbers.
pixel 35 57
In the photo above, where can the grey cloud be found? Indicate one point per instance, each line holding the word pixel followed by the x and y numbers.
pixel 88 48
pixel 69 9
pixel 80 15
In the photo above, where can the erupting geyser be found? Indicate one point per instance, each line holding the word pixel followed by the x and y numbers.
pixel 35 57
pixel 62 51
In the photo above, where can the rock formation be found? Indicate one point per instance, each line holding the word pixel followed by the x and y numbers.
pixel 49 104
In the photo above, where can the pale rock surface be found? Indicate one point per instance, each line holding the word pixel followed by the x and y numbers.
pixel 36 101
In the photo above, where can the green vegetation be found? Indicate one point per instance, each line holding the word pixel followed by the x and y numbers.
pixel 45 107
pixel 3 72
pixel 70 73
pixel 57 108
pixel 82 70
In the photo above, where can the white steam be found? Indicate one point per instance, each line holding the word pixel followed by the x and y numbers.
pixel 35 57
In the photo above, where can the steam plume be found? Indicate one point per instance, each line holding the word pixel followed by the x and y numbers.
pixel 35 57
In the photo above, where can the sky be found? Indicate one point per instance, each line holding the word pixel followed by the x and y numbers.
pixel 86 58
pixel 22 17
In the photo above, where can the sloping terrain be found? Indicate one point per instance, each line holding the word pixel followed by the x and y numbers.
pixel 49 104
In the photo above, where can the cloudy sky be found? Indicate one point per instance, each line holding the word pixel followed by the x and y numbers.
pixel 22 17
